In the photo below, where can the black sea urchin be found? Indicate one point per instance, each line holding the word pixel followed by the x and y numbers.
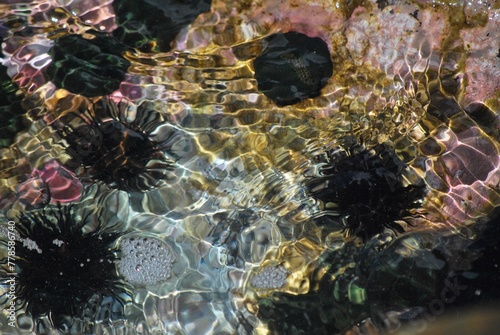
pixel 88 66
pixel 293 67
pixel 61 267
pixel 367 189
pixel 123 154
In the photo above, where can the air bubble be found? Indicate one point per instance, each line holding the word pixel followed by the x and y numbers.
pixel 271 277
pixel 146 261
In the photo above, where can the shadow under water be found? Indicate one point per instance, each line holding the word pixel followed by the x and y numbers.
pixel 249 167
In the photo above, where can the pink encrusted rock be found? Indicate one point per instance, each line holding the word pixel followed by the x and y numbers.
pixel 470 156
pixel 313 18
pixel 26 59
pixel 98 13
pixel 52 183
pixel 63 184
pixel 395 39
pixel 231 23
pixel 482 67
pixel 33 192
pixel 468 172
pixel 471 9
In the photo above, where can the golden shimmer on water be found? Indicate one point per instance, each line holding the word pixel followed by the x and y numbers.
pixel 419 77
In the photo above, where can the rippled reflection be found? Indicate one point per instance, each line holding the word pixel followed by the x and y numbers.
pixel 357 196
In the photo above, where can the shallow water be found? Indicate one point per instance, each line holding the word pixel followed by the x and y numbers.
pixel 201 171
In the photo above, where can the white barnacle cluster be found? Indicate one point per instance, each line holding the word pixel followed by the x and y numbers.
pixel 27 242
pixel 145 260
pixel 271 277
pixel 58 242
pixel 30 244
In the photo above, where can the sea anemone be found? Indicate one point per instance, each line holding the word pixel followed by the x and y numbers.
pixel 366 188
pixel 105 145
pixel 64 268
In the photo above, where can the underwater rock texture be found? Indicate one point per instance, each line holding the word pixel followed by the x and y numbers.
pixel 11 111
pixel 52 183
pixel 184 147
pixel 151 25
pixel 12 122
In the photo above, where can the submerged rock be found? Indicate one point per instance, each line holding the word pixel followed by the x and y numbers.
pixel 413 279
pixel 151 25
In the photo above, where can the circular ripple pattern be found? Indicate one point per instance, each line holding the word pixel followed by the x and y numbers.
pixel 188 148
pixel 293 67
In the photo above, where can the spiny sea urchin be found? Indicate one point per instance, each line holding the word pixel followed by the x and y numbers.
pixel 128 155
pixel 366 187
pixel 63 270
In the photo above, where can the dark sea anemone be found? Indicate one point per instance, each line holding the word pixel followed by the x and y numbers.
pixel 106 146
pixel 366 188
pixel 65 268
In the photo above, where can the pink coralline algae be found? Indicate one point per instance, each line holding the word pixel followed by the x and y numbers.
pixel 482 67
pixel 404 37
pixel 52 183
pixel 396 39
pixel 98 13
pixel 296 16
pixel 468 172
pixel 380 38
pixel 27 58
pixel 33 192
